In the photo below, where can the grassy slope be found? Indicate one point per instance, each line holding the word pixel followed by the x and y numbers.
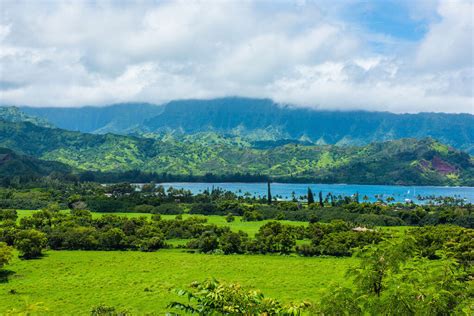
pixel 72 282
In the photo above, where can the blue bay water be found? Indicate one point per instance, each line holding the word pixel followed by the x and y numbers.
pixel 284 190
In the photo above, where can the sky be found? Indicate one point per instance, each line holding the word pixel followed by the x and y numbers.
pixel 381 55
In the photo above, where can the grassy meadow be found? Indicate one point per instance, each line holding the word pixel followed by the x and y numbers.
pixel 72 282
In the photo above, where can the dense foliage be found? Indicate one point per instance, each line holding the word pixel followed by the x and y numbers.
pixel 5 254
pixel 425 270
pixel 213 297
pixel 155 199
pixel 406 161
pixel 394 278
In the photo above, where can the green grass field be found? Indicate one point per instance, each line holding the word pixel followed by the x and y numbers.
pixel 72 282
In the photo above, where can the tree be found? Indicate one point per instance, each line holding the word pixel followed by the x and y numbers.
pixel 230 218
pixel 208 242
pixel 232 242
pixel 149 187
pixel 112 239
pixel 5 254
pixel 269 193
pixel 321 203
pixel 30 243
pixel 8 215
pixel 392 279
pixel 310 196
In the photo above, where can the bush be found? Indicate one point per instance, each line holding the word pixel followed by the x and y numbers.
pixel 6 254
pixel 151 244
pixel 30 243
pixel 104 310
pixel 274 237
pixel 168 209
pixel 80 238
pixel 342 243
pixel 212 297
pixel 206 209
pixel 229 218
pixel 144 208
pixel 8 215
pixel 231 242
pixel 112 239
pixel 208 242
pixel 252 216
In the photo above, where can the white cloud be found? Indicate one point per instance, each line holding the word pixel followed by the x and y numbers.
pixel 72 52
pixel 449 43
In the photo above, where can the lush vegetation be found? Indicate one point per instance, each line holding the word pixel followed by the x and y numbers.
pixel 204 156
pixel 243 240
pixel 70 245
pixel 392 278
pixel 155 200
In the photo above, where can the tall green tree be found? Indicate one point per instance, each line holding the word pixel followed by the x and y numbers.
pixel 392 279
pixel 269 193
pixel 310 196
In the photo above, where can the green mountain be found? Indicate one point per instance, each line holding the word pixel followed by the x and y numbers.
pixel 13 164
pixel 405 161
pixel 263 120
pixel 14 114
pixel 118 118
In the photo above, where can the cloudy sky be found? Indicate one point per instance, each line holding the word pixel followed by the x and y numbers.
pixel 399 56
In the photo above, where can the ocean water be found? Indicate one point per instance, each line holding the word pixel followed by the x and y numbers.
pixel 285 190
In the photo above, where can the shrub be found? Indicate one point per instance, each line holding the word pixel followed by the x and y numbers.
pixel 5 254
pixel 144 208
pixel 30 243
pixel 229 218
pixel 8 214
pixel 104 310
pixel 168 209
pixel 212 297
pixel 231 242
pixel 252 216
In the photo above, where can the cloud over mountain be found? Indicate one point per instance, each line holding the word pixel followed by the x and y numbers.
pixel 352 55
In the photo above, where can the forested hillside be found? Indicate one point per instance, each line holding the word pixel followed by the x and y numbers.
pixel 262 119
pixel 13 164
pixel 406 161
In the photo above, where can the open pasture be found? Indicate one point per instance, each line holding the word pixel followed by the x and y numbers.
pixel 72 282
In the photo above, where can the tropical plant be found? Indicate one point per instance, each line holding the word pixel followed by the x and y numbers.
pixel 213 297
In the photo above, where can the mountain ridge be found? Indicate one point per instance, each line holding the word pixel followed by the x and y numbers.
pixel 263 120
pixel 406 161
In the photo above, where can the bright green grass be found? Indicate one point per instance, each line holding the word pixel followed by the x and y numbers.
pixel 72 282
